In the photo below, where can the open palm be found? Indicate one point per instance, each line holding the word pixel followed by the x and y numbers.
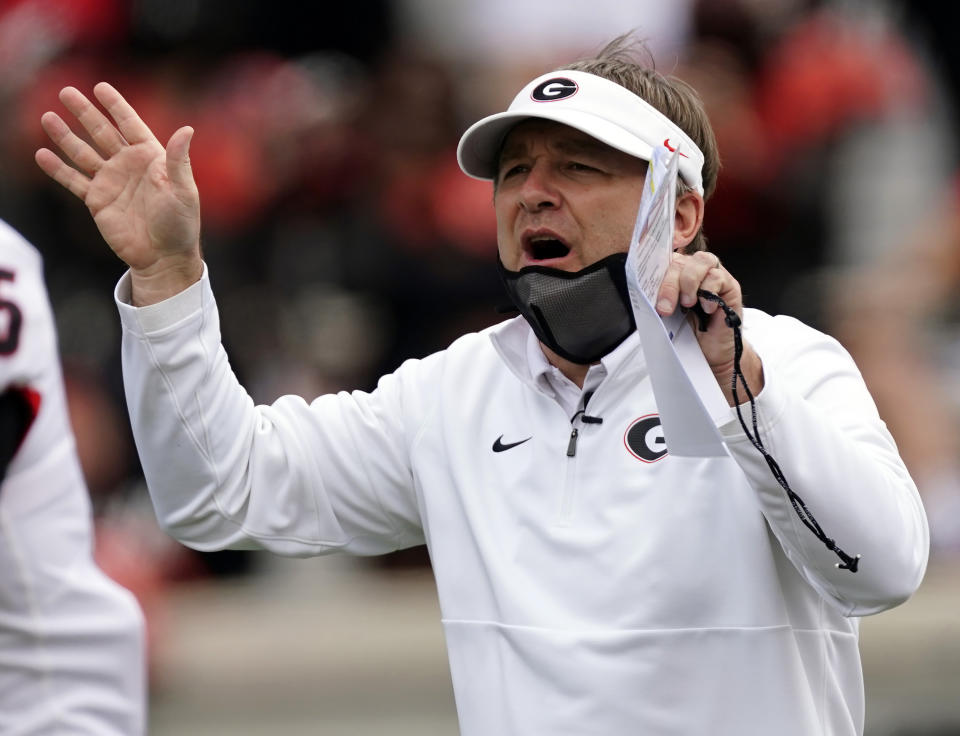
pixel 142 196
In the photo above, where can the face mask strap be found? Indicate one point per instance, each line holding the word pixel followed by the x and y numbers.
pixel 543 329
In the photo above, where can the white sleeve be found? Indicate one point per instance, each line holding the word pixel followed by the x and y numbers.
pixel 818 421
pixel 294 478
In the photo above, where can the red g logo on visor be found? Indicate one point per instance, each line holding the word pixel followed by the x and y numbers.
pixel 558 88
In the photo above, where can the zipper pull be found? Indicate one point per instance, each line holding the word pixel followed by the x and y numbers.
pixel 572 445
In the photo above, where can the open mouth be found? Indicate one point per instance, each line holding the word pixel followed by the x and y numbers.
pixel 545 249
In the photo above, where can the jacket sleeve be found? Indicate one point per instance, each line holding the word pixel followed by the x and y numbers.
pixel 294 478
pixel 817 419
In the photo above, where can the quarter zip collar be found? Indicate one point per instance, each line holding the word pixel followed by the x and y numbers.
pixel 520 349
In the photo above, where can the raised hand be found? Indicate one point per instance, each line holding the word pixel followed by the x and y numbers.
pixel 703 270
pixel 142 196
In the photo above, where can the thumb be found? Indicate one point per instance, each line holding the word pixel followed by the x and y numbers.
pixel 178 158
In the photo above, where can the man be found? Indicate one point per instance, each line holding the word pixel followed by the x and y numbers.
pixel 589 581
pixel 72 656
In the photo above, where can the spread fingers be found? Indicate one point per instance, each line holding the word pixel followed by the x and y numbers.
pixel 103 133
pixel 134 130
pixel 66 176
pixel 76 149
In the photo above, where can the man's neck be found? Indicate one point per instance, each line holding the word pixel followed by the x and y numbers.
pixel 576 372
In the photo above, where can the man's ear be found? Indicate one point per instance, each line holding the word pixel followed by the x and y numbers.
pixel 688 219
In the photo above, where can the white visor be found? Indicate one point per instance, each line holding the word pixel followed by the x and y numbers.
pixel 598 107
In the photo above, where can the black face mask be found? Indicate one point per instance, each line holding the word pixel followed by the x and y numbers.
pixel 581 316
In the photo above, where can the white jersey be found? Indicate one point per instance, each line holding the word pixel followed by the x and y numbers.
pixel 589 582
pixel 72 657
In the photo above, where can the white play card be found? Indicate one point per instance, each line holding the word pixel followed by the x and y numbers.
pixel 689 400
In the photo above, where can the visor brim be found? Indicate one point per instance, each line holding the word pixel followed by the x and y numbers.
pixel 479 149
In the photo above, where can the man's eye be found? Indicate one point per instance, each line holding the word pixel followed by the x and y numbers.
pixel 577 166
pixel 513 171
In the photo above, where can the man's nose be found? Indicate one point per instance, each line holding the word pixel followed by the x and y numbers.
pixel 539 189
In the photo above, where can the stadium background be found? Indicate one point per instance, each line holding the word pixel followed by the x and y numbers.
pixel 342 239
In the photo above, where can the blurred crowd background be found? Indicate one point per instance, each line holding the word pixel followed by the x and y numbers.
pixel 342 237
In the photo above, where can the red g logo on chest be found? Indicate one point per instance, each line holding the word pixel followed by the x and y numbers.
pixel 644 439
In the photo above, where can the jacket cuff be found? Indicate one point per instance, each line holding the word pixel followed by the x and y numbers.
pixel 160 316
pixel 771 403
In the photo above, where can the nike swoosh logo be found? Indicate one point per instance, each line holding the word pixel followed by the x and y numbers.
pixel 498 446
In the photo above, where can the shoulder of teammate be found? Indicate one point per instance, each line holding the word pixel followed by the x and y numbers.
pixel 15 248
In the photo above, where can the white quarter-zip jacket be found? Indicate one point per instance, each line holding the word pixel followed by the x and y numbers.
pixel 589 582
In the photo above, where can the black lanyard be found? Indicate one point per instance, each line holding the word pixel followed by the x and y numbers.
pixel 733 322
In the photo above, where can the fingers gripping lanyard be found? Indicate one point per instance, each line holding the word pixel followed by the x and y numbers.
pixel 733 321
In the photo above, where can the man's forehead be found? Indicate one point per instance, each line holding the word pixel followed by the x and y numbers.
pixel 557 134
